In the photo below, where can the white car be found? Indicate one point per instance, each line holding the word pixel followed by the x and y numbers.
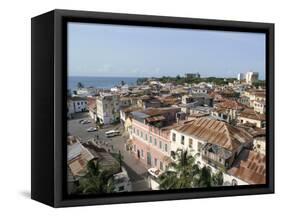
pixel 85 122
pixel 92 129
pixel 112 133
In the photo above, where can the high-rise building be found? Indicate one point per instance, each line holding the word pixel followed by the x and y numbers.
pixel 240 76
pixel 251 77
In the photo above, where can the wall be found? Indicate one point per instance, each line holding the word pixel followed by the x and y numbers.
pixel 15 134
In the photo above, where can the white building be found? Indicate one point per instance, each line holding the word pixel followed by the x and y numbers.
pixel 76 104
pixel 259 106
pixel 251 77
pixel 108 108
pixel 213 143
pixel 241 76
pixel 249 116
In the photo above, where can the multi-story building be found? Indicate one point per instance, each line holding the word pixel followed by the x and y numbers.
pixel 151 135
pixel 76 104
pixel 260 106
pixel 249 116
pixel 240 76
pixel 227 110
pixel 108 106
pixel 213 143
pixel 251 77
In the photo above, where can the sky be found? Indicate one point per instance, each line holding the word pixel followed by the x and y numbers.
pixel 105 50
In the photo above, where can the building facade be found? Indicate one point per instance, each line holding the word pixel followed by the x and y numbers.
pixel 108 106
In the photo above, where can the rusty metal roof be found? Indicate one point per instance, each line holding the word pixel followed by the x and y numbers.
pixel 250 167
pixel 216 132
pixel 251 114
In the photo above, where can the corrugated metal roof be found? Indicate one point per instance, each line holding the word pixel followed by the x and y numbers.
pixel 216 132
pixel 250 167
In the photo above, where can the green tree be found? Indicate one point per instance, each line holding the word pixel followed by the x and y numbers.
pixel 97 180
pixel 185 173
pixel 181 174
pixel 217 179
pixel 259 83
pixel 205 177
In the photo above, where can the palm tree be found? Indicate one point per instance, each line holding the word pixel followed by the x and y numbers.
pixel 96 180
pixel 181 174
pixel 185 173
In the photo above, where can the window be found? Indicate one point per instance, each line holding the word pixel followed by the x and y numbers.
pixel 135 148
pixel 138 132
pixel 174 137
pixel 150 139
pixel 199 146
pixel 190 143
pixel 145 137
pixel 155 141
pixel 161 165
pixel 142 153
pixel 141 134
pixel 160 145
pixel 134 130
pixel 182 140
pixel 155 162
pixel 78 103
pixel 166 148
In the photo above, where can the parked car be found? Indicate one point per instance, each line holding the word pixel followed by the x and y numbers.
pixel 85 122
pixel 92 129
pixel 112 133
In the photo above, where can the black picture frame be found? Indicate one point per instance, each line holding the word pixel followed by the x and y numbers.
pixel 48 69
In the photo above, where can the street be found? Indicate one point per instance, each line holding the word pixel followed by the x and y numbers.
pixel 135 169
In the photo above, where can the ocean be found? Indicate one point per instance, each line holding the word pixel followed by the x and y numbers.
pixel 99 82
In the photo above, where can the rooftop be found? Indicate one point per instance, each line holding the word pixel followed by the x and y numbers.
pixel 251 114
pixel 230 104
pixel 216 132
pixel 250 167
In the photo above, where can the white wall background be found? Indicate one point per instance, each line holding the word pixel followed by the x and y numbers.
pixel 15 106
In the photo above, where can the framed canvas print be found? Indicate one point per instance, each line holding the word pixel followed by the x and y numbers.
pixel 134 108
